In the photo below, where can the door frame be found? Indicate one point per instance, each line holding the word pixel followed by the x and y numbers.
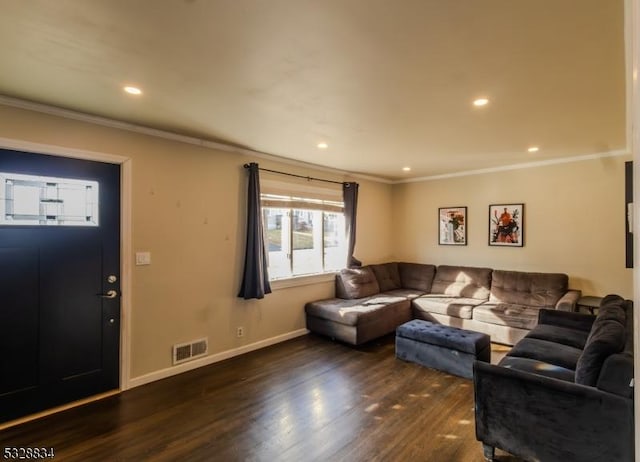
pixel 632 42
pixel 126 253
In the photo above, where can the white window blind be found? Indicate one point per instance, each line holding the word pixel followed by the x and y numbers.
pixel 304 228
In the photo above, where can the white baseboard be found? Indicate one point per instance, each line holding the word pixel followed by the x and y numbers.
pixel 175 370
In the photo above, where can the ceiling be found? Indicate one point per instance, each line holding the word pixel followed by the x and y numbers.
pixel 385 83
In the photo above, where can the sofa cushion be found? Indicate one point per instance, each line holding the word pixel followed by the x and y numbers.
pixel 452 306
pixel 383 298
pixel 563 335
pixel 606 338
pixel 568 319
pixel 462 281
pixel 387 276
pixel 330 309
pixel 416 276
pixel 354 283
pixel 611 298
pixel 612 308
pixel 505 314
pixel 406 293
pixel 616 374
pixel 355 312
pixel 547 352
pixel 524 288
pixel 538 367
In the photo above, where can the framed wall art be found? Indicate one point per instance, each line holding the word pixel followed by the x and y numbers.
pixel 506 225
pixel 452 222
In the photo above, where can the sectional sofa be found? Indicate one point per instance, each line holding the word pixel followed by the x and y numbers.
pixel 373 300
pixel 564 392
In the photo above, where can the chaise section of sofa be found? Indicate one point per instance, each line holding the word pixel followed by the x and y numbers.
pixel 361 311
pixel 564 392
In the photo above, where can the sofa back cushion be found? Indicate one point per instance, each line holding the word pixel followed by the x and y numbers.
pixel 531 289
pixel 356 283
pixel 612 308
pixel 416 276
pixel 462 281
pixel 617 369
pixel 607 337
pixel 387 276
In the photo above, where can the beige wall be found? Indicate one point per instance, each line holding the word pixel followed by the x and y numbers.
pixel 574 222
pixel 188 211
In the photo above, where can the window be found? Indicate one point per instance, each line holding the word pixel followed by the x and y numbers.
pixel 303 236
pixel 47 201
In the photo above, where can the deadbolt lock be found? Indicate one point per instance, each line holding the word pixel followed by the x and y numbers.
pixel 111 279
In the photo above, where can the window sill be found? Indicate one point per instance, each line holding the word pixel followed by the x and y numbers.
pixel 302 280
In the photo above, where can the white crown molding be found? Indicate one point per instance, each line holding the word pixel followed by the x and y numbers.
pixel 321 168
pixel 112 123
pixel 541 163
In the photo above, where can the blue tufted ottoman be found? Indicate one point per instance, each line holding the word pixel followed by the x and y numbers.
pixel 441 347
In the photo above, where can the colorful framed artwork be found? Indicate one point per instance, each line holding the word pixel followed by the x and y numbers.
pixel 453 226
pixel 506 225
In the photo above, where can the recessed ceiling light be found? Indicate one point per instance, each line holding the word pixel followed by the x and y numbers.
pixel 406 169
pixel 132 90
pixel 481 102
pixel 533 149
pixel 323 145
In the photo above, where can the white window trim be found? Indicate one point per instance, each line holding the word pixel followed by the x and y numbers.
pixel 303 189
pixel 298 281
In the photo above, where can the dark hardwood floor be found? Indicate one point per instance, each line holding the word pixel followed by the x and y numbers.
pixel 308 399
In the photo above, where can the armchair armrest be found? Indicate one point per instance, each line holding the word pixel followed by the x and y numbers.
pixel 580 321
pixel 569 301
pixel 541 418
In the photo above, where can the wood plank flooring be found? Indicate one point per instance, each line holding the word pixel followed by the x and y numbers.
pixel 307 399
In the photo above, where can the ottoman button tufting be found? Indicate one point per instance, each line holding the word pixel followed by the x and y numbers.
pixel 442 347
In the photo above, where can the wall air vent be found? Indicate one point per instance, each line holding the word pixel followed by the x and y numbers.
pixel 183 352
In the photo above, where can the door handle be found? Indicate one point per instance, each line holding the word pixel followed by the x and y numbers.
pixel 110 294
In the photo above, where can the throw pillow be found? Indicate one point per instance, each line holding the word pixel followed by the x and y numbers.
pixel 606 338
pixel 612 308
pixel 356 283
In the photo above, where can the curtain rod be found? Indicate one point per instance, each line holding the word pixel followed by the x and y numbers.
pixel 308 178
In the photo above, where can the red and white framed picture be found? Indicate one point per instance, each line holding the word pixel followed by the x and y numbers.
pixel 506 225
pixel 453 226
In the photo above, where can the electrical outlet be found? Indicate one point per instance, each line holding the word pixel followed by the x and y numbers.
pixel 240 332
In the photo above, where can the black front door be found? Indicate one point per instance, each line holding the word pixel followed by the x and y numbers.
pixel 59 281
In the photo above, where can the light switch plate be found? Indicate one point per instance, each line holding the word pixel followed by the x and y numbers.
pixel 143 258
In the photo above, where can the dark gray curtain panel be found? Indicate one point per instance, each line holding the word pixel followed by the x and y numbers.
pixel 255 279
pixel 350 197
